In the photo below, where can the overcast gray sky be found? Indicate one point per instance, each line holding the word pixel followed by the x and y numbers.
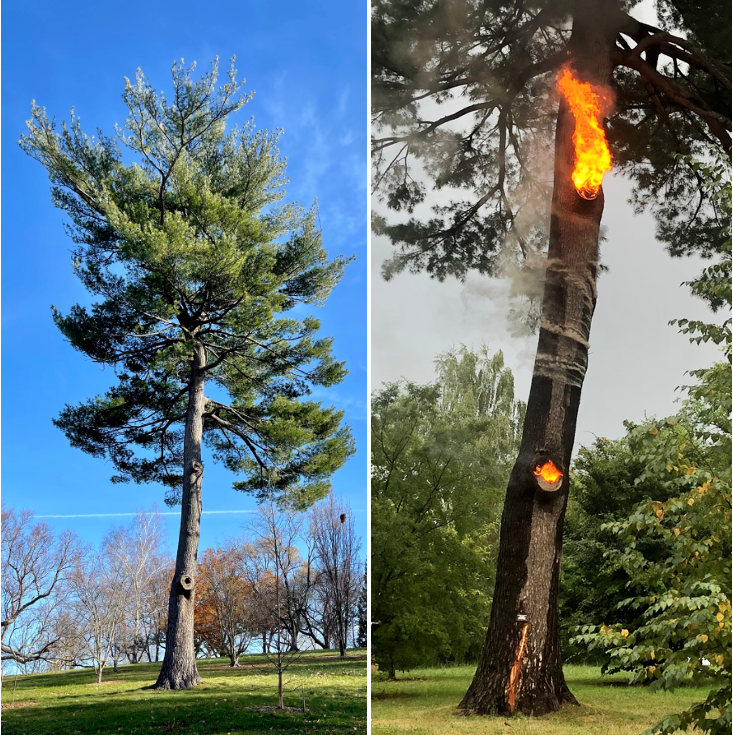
pixel 637 359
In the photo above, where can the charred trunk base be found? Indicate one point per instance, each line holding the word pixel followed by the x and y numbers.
pixel 488 696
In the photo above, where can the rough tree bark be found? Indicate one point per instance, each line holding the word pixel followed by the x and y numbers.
pixel 521 667
pixel 179 663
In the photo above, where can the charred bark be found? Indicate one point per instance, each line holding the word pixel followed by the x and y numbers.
pixel 179 663
pixel 521 666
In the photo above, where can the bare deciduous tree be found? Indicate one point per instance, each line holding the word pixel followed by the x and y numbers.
pixel 331 528
pixel 99 600
pixel 35 568
pixel 155 607
pixel 259 575
pixel 276 533
pixel 136 556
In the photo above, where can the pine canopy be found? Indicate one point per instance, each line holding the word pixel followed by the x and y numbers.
pixel 189 246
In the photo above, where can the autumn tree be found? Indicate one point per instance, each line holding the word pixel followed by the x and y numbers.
pixel 229 614
pixel 181 236
pixel 465 104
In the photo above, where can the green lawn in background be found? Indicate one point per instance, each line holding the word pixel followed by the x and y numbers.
pixel 70 702
pixel 424 702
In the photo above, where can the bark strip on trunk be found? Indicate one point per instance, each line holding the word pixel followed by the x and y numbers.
pixel 179 663
pixel 521 667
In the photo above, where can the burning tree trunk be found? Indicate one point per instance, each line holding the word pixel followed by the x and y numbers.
pixel 179 663
pixel 521 668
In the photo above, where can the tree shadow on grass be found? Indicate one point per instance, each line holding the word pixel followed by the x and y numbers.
pixel 191 711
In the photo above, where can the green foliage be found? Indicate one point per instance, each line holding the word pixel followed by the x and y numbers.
pixel 441 456
pixel 464 104
pixel 675 548
pixel 189 251
pixel 683 631
pixel 711 237
pixel 607 479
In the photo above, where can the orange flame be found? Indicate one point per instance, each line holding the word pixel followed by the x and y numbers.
pixel 592 156
pixel 548 472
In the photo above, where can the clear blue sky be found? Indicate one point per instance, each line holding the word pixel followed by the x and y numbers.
pixel 307 64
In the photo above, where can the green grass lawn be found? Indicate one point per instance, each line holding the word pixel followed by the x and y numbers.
pixel 69 702
pixel 425 701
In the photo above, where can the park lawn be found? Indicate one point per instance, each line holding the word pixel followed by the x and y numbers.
pixel 424 703
pixel 71 702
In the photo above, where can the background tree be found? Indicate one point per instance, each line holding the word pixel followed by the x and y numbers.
pixel 274 537
pixel 680 599
pixel 136 555
pixel 36 567
pixel 671 96
pixel 260 578
pixel 440 456
pixel 607 481
pixel 155 607
pixel 194 263
pixel 336 546
pixel 98 609
pixel 224 590
pixel 362 616
pixel 681 591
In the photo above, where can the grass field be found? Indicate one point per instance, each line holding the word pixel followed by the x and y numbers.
pixel 70 702
pixel 424 703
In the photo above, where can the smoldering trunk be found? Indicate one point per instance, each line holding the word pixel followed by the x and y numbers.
pixel 521 666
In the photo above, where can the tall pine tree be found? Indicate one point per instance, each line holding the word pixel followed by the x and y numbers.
pixel 193 263
pixel 465 103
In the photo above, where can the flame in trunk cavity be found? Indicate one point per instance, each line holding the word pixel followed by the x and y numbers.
pixel 548 472
pixel 592 156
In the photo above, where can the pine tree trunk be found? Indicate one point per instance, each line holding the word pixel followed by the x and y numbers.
pixel 521 666
pixel 179 663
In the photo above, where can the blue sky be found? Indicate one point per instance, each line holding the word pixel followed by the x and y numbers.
pixel 307 64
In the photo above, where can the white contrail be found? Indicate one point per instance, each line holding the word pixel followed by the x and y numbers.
pixel 162 513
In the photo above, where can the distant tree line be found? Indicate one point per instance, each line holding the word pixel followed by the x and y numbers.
pixel 441 456
pixel 295 580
